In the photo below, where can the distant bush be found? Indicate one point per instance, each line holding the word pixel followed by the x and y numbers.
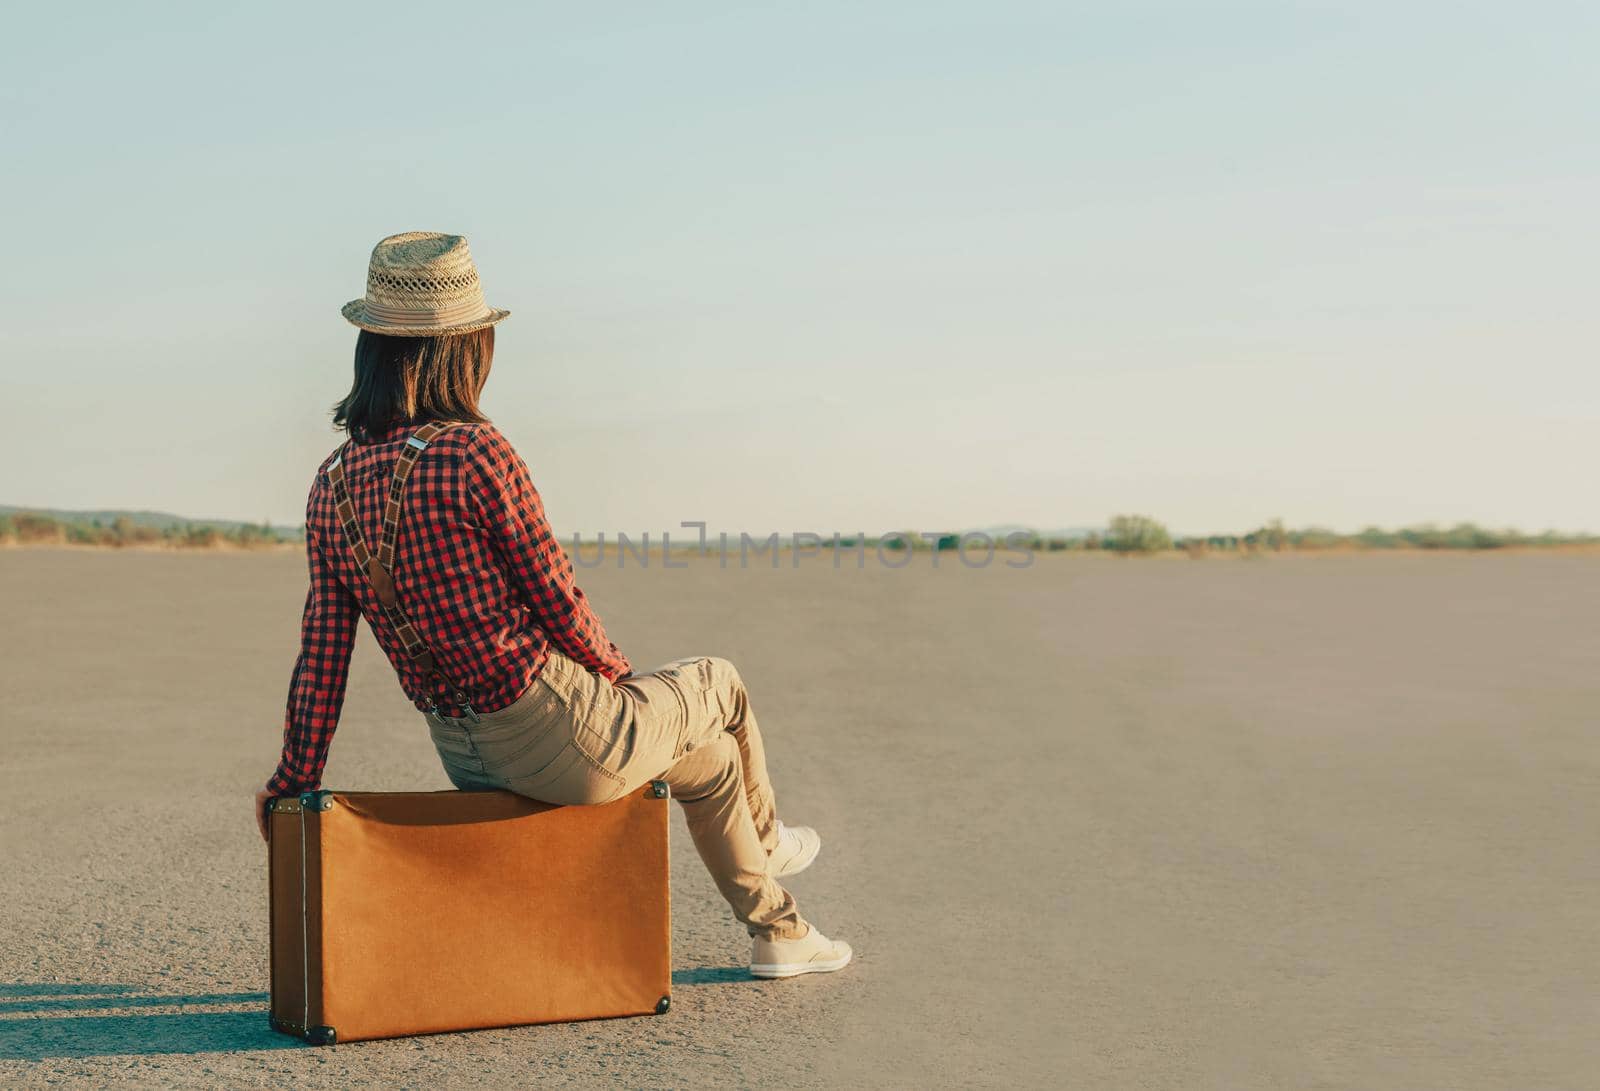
pixel 125 532
pixel 1463 536
pixel 31 528
pixel 1273 536
pixel 251 536
pixel 1460 536
pixel 28 528
pixel 1315 538
pixel 1137 534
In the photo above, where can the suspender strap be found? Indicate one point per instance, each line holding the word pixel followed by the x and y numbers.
pixel 377 567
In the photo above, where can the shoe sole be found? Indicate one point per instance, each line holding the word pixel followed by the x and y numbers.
pixel 795 867
pixel 771 970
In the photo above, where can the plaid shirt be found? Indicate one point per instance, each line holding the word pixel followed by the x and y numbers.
pixel 477 569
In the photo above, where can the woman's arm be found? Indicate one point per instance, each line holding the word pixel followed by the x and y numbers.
pixel 316 689
pixel 501 493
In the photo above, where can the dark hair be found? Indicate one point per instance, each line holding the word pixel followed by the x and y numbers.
pixel 413 380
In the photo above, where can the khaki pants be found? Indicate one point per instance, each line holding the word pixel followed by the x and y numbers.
pixel 574 738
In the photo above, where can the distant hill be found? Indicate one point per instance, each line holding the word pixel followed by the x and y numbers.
pixel 1059 534
pixel 156 520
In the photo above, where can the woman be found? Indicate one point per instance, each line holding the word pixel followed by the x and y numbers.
pixel 472 599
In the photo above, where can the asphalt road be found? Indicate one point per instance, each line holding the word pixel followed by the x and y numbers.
pixel 1294 822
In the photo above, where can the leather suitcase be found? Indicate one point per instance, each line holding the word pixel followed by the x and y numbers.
pixel 396 913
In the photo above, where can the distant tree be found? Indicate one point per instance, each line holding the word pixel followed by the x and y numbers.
pixel 254 534
pixel 125 532
pixel 1472 536
pixel 1274 537
pixel 1137 534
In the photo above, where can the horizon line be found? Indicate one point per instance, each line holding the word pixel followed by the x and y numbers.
pixel 996 530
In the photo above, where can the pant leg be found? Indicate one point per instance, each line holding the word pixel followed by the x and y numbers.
pixel 705 698
pixel 708 783
pixel 690 723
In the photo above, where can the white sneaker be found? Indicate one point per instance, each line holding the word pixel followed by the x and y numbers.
pixel 812 953
pixel 797 847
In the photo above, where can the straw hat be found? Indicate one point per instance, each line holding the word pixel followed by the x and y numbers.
pixel 421 284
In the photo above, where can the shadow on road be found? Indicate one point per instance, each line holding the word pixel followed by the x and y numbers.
pixel 37 1020
pixel 123 1000
pixel 8 992
pixel 711 975
pixel 26 1034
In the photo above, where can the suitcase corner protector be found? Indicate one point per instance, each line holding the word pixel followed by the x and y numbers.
pixel 663 1005
pixel 658 789
pixel 322 1036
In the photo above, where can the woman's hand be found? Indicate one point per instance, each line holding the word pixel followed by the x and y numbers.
pixel 263 795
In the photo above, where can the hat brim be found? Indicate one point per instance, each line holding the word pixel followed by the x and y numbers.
pixel 355 312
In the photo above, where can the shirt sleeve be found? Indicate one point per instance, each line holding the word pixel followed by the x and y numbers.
pixel 501 494
pixel 316 688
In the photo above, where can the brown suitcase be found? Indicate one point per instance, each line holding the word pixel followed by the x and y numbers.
pixel 397 913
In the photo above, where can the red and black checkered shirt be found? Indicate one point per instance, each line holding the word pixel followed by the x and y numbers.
pixel 477 569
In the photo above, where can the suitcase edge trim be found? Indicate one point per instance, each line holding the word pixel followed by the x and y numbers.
pixel 302 806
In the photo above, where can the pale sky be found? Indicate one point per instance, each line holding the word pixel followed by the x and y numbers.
pixel 854 266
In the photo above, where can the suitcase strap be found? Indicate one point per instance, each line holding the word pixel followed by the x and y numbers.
pixel 377 568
